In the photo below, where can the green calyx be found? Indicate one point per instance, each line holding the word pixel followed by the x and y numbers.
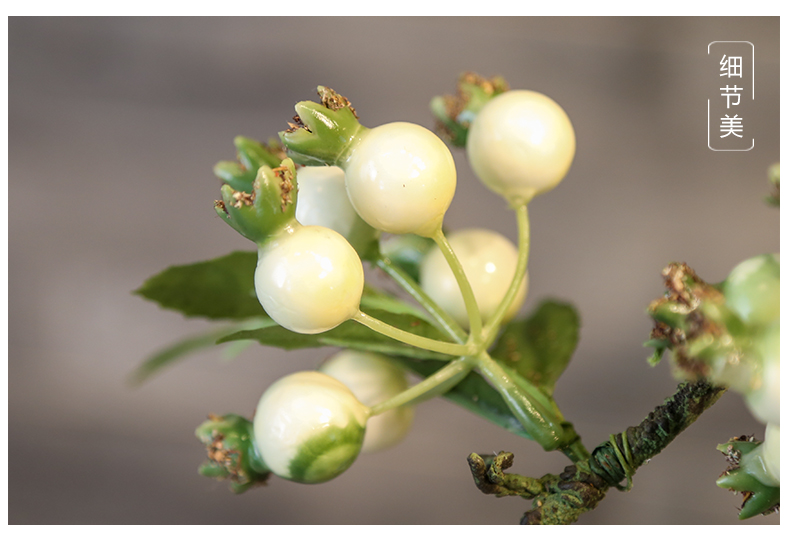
pixel 713 331
pixel 268 206
pixel 694 322
pixel 251 156
pixel 454 113
pixel 231 452
pixel 747 474
pixel 324 457
pixel 325 133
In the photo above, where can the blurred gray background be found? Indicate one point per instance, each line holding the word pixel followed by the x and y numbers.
pixel 114 125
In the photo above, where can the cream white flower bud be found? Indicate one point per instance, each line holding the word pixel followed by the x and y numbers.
pixel 309 279
pixel 374 378
pixel 521 144
pixel 489 261
pixel 309 427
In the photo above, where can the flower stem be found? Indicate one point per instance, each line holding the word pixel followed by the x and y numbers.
pixel 472 309
pixel 447 348
pixel 543 423
pixel 434 385
pixel 444 321
pixel 576 451
pixel 492 326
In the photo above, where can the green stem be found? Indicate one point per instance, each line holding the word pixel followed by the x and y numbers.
pixel 472 309
pixel 576 451
pixel 523 399
pixel 444 321
pixel 492 326
pixel 447 348
pixel 434 385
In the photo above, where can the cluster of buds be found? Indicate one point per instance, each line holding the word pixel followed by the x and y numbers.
pixel 728 334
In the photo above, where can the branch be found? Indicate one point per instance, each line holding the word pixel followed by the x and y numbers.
pixel 561 499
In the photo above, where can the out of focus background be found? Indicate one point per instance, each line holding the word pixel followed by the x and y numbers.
pixel 113 128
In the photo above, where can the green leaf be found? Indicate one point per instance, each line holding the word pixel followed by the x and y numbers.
pixel 475 395
pixel 350 335
pixel 178 350
pixel 222 288
pixel 540 346
pixel 407 251
pixel 374 300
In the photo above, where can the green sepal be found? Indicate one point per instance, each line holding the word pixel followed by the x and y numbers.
pixel 235 175
pixel 540 347
pixel 762 501
pixel 266 211
pixel 455 113
pixel 253 155
pixel 670 313
pixel 659 347
pixel 407 251
pixel 738 480
pixel 231 452
pixel 759 498
pixel 738 447
pixel 221 288
pixel 324 133
pixel 743 476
